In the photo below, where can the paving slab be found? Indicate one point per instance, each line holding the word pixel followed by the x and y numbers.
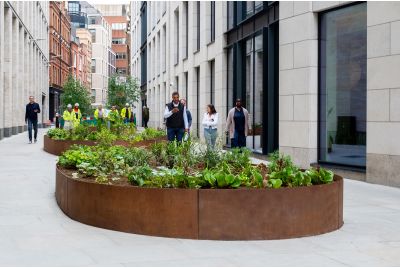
pixel 35 232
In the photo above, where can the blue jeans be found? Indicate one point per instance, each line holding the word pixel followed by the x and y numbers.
pixel 32 123
pixel 175 132
pixel 211 136
pixel 239 139
pixel 126 120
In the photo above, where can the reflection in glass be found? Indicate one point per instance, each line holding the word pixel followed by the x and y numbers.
pixel 343 54
pixel 254 91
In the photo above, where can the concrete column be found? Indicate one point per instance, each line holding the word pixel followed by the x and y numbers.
pixel 15 94
pixel 26 69
pixel 1 69
pixel 8 85
pixel 21 79
pixel 298 82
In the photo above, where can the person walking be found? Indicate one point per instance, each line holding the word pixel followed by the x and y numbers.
pixel 69 118
pixel 31 118
pixel 177 122
pixel 99 114
pixel 126 113
pixel 189 115
pixel 78 115
pixel 210 122
pixel 146 115
pixel 237 124
pixel 113 115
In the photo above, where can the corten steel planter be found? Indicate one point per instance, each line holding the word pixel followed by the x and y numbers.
pixel 57 147
pixel 214 214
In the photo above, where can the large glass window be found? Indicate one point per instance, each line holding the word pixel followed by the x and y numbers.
pixel 343 62
pixel 212 37
pixel 252 50
pixel 231 14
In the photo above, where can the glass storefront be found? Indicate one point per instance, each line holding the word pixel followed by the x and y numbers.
pixel 252 55
pixel 342 85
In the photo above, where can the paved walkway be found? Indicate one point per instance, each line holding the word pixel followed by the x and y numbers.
pixel 34 232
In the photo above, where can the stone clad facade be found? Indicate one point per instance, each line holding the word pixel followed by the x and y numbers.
pixel 24 57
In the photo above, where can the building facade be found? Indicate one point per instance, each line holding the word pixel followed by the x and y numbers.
pixel 103 63
pixel 24 57
pixel 120 39
pixel 319 79
pixel 94 31
pixel 81 54
pixel 60 53
pixel 339 86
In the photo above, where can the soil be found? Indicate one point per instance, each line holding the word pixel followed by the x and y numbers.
pixel 123 181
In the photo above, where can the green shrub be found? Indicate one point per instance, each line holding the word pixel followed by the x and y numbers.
pixel 58 134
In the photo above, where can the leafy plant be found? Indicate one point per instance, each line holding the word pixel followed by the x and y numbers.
pixel 120 92
pixel 58 134
pixel 75 92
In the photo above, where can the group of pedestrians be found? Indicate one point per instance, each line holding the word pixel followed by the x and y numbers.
pixel 113 116
pixel 178 123
pixel 178 120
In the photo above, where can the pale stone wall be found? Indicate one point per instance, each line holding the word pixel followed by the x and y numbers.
pixel 383 93
pixel 23 62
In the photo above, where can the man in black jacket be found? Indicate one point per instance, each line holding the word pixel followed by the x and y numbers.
pixel 32 109
pixel 177 122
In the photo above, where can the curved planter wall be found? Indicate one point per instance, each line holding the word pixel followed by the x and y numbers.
pixel 57 147
pixel 215 214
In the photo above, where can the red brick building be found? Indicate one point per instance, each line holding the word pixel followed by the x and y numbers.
pixel 60 53
pixel 80 62
pixel 120 43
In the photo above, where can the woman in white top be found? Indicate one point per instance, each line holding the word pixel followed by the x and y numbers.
pixel 210 122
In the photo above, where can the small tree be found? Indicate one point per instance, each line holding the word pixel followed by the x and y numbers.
pixel 73 93
pixel 120 93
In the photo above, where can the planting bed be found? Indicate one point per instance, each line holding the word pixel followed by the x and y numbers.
pixel 215 214
pixel 57 147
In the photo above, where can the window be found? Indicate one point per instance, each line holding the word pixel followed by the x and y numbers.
pixel 342 86
pixel 231 14
pixel 176 35
pixel 186 25
pixel 143 23
pixel 258 6
pixel 249 8
pixel 120 56
pixel 185 75
pixel 197 26
pixel 212 37
pixel 121 70
pixel 73 7
pixel 197 73
pixel 212 81
pixel 159 53
pixel 93 66
pixel 93 34
pixel 93 96
pixel 118 26
pixel 164 45
pixel 143 62
pixel 118 41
